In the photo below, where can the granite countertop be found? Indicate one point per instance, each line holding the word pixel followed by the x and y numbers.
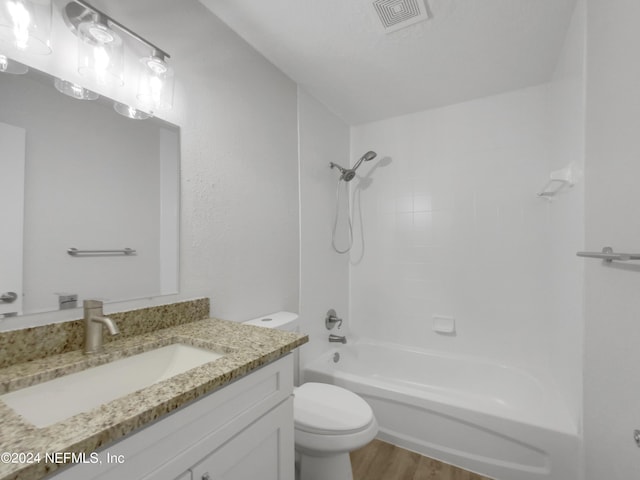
pixel 246 348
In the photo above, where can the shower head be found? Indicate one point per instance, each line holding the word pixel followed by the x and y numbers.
pixel 370 155
pixel 364 158
pixel 348 174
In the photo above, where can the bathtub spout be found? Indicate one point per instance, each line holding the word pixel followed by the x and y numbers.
pixel 337 338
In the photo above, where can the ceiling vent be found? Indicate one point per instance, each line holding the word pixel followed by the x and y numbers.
pixel 397 14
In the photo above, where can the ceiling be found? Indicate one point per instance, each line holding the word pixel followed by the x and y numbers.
pixel 337 50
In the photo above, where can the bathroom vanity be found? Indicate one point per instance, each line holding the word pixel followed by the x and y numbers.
pixel 230 418
pixel 242 431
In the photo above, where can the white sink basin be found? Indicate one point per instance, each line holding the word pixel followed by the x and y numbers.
pixel 50 402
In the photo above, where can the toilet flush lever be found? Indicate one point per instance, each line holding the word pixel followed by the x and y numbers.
pixel 331 319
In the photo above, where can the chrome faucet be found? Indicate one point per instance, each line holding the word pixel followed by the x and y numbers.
pixel 337 338
pixel 94 319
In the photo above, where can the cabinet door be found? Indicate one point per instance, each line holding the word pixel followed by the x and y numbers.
pixel 264 450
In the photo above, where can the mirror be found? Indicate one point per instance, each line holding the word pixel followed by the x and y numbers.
pixel 76 174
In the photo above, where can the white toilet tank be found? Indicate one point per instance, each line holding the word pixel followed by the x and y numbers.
pixel 287 321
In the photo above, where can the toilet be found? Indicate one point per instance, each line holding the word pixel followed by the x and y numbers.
pixel 329 421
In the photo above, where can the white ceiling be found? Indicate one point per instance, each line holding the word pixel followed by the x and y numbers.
pixel 338 51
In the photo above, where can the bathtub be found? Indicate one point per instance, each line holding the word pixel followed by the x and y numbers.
pixel 482 416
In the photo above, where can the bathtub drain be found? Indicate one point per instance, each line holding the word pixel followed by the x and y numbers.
pixel 336 357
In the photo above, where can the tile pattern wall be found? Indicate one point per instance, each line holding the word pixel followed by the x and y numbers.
pixel 453 227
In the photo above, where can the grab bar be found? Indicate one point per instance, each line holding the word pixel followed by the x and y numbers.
pixel 608 255
pixel 74 252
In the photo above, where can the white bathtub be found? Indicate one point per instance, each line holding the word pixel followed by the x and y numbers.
pixel 481 416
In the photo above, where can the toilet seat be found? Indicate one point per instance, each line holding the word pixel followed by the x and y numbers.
pixel 325 409
pixel 330 420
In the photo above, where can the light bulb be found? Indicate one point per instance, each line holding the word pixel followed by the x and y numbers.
pixel 155 90
pixel 21 19
pixel 155 87
pixel 26 25
pixel 100 53
pixel 100 63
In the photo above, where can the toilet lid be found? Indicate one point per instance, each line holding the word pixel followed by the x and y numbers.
pixel 327 409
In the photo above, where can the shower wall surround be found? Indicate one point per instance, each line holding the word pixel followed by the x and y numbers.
pixel 453 227
pixel 567 111
pixel 324 275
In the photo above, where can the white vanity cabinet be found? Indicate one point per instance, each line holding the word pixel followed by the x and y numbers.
pixel 255 453
pixel 240 432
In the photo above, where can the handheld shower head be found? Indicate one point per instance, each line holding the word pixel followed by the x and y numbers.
pixel 348 174
pixel 370 155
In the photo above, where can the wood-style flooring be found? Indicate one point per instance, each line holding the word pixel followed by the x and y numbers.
pixel 382 461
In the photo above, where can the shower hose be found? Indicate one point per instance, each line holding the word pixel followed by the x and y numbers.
pixel 335 222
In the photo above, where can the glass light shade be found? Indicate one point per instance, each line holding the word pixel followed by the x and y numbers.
pixel 100 54
pixel 26 25
pixel 130 112
pixel 11 66
pixel 74 90
pixel 155 87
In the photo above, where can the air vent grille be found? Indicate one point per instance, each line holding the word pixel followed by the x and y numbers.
pixel 397 14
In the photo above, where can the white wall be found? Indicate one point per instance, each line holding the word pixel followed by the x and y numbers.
pixel 238 114
pixel 240 228
pixel 453 227
pixel 239 239
pixel 324 275
pixel 612 303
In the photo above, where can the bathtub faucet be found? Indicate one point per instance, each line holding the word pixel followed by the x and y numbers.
pixel 337 338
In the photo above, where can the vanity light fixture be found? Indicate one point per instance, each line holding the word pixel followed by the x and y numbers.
pixel 26 25
pixel 101 54
pixel 130 112
pixel 8 65
pixel 74 90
